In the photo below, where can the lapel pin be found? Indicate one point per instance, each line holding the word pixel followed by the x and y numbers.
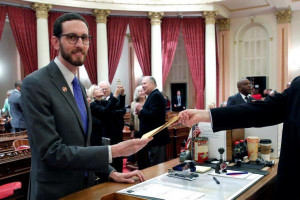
pixel 65 89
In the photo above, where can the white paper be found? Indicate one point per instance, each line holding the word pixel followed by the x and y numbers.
pixel 215 140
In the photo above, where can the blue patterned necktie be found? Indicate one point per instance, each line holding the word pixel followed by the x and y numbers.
pixel 80 103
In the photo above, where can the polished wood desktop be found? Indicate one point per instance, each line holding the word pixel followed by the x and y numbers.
pixel 261 188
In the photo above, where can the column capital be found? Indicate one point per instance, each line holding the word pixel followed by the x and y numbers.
pixel 101 15
pixel 155 17
pixel 41 10
pixel 224 24
pixel 284 16
pixel 210 17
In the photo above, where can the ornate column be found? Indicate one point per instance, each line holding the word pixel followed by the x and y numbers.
pixel 224 58
pixel 102 49
pixel 210 58
pixel 41 11
pixel 156 57
pixel 283 32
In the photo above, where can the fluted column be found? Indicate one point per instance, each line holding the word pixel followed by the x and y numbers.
pixel 41 11
pixel 224 58
pixel 102 49
pixel 156 57
pixel 283 32
pixel 210 58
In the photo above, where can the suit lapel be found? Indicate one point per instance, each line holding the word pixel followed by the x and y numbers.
pixel 59 81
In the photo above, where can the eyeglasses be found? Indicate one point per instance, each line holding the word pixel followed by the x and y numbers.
pixel 73 38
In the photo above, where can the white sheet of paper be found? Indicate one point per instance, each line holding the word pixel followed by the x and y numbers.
pixel 215 140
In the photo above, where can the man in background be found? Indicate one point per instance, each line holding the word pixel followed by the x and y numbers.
pixel 16 110
pixel 152 115
pixel 244 94
pixel 178 102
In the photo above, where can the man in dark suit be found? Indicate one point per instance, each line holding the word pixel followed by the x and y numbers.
pixel 284 107
pixel 111 114
pixel 16 111
pixel 153 115
pixel 59 121
pixel 178 102
pixel 244 94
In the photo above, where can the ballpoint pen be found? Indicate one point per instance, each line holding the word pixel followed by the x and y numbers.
pixel 216 180
pixel 236 173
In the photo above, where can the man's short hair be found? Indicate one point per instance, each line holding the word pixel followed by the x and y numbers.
pixel 18 84
pixel 152 79
pixel 240 82
pixel 105 83
pixel 57 28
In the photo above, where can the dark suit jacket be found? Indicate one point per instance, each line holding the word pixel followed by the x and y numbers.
pixel 152 116
pixel 111 114
pixel 236 99
pixel 60 158
pixel 284 107
pixel 16 111
pixel 175 101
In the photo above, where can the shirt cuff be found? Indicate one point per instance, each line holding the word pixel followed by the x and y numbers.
pixel 109 154
pixel 211 119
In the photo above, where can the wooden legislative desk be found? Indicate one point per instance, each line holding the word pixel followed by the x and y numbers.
pixel 106 190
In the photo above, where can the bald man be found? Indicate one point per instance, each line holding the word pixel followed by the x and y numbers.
pixel 244 94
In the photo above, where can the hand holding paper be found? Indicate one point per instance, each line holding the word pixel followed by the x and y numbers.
pixel 160 128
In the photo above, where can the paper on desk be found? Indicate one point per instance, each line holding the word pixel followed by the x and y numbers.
pixel 240 176
pixel 160 128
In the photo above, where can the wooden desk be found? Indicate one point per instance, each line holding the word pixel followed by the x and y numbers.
pixel 101 190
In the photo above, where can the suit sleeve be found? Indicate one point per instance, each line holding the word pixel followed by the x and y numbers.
pixel 257 114
pixel 155 107
pixel 230 101
pixel 44 136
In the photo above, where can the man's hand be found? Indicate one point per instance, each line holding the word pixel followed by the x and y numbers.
pixel 191 117
pixel 128 147
pixel 138 108
pixel 127 177
pixel 122 90
pixel 117 92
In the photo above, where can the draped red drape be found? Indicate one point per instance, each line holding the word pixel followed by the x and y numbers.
pixel 140 31
pixel 193 30
pixel 169 34
pixel 23 25
pixel 2 18
pixel 116 30
pixel 90 63
pixel 51 19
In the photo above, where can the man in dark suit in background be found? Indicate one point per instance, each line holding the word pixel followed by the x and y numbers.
pixel 111 113
pixel 59 121
pixel 280 108
pixel 178 102
pixel 153 115
pixel 16 111
pixel 244 94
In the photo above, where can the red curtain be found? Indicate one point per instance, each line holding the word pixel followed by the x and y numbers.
pixel 2 18
pixel 169 34
pixel 51 19
pixel 140 31
pixel 90 63
pixel 23 25
pixel 116 30
pixel 193 30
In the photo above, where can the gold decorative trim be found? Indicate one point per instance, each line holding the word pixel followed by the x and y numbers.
pixel 155 17
pixel 223 24
pixel 284 16
pixel 210 17
pixel 101 15
pixel 41 10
